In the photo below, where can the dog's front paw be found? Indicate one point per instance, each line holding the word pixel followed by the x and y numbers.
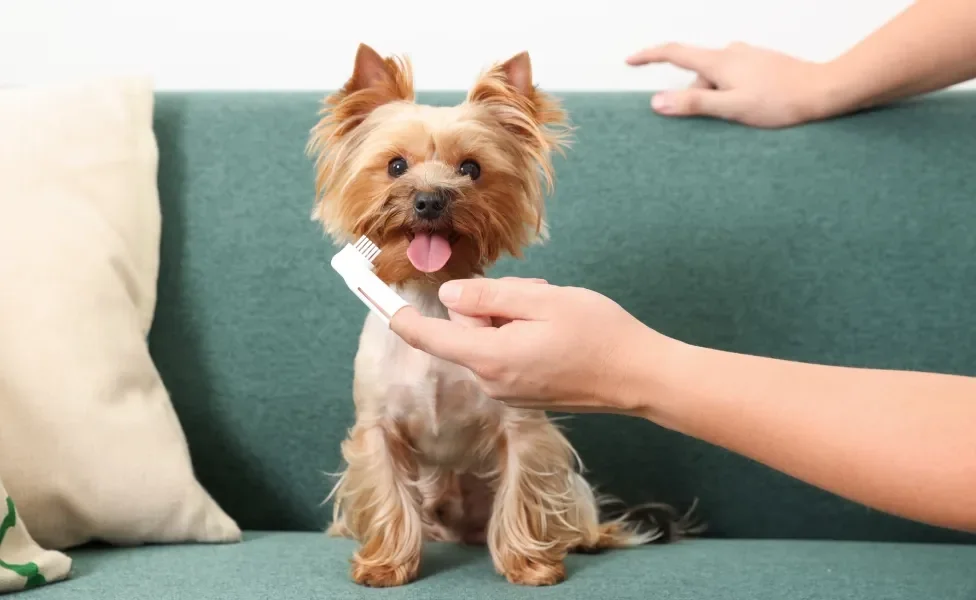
pixel 372 574
pixel 535 573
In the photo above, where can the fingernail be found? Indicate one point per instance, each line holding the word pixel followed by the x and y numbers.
pixel 662 103
pixel 450 292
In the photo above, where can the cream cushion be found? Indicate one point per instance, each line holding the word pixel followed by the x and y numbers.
pixel 90 445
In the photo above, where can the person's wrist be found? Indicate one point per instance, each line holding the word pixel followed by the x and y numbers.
pixel 648 375
pixel 826 92
pixel 673 384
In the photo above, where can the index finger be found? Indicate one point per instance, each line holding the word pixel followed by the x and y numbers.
pixel 692 58
pixel 453 341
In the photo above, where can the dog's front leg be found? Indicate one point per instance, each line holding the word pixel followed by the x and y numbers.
pixel 380 506
pixel 537 515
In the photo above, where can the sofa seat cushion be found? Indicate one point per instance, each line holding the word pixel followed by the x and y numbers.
pixel 303 566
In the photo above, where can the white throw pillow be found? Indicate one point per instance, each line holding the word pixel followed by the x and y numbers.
pixel 90 445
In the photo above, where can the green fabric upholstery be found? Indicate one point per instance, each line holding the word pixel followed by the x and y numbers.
pixel 847 242
pixel 301 566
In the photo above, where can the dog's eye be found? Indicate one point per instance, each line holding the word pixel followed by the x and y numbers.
pixel 471 169
pixel 396 167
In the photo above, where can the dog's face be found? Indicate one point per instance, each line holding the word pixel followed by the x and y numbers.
pixel 443 191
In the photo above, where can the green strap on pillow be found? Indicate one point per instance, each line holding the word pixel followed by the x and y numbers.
pixel 24 564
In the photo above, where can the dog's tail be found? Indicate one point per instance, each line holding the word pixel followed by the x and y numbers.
pixel 651 523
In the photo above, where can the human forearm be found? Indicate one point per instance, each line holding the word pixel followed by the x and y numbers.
pixel 929 46
pixel 901 442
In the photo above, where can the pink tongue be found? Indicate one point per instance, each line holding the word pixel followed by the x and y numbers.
pixel 429 253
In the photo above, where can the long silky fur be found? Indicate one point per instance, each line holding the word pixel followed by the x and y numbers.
pixel 415 446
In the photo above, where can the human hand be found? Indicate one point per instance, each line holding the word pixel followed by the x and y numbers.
pixel 754 86
pixel 535 345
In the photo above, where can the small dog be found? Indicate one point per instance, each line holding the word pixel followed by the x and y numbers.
pixel 444 192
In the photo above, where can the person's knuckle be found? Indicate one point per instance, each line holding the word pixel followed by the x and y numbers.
pixel 743 108
pixel 413 338
pixel 670 49
pixel 491 369
pixel 573 295
pixel 738 113
pixel 482 296
pixel 508 378
pixel 515 279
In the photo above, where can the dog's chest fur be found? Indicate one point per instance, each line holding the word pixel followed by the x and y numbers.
pixel 438 404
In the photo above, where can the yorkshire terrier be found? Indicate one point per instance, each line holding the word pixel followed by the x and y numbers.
pixel 444 192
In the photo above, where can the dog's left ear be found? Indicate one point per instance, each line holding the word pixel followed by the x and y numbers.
pixel 508 85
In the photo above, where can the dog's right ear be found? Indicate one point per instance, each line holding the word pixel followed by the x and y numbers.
pixel 375 81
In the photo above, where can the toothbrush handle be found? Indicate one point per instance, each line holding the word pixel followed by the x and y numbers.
pixel 378 296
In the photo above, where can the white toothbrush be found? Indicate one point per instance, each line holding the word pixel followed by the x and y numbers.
pixel 355 264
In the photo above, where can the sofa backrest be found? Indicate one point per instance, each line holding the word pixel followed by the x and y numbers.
pixel 847 242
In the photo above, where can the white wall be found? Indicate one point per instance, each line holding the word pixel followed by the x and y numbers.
pixel 290 44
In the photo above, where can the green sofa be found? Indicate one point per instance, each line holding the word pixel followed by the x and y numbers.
pixel 846 242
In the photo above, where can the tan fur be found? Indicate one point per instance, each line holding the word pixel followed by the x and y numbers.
pixel 430 457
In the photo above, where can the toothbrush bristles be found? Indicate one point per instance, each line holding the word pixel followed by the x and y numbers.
pixel 367 249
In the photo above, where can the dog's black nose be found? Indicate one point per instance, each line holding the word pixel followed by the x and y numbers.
pixel 429 206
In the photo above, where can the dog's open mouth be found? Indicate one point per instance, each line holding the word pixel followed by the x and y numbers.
pixel 429 251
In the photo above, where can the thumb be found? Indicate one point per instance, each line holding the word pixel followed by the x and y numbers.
pixel 504 298
pixel 698 102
